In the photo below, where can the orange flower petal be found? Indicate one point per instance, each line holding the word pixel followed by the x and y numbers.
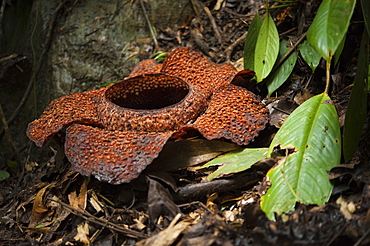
pixel 112 156
pixel 233 113
pixel 62 112
pixel 198 70
pixel 146 67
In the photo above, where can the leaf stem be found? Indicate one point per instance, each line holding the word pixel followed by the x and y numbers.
pixel 328 62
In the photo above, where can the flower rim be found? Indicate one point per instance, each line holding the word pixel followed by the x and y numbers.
pixel 116 117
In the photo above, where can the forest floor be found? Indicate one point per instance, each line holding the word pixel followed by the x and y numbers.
pixel 50 204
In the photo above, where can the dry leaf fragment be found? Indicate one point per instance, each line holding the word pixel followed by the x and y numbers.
pixel 160 202
pixel 83 233
pixel 347 208
pixel 166 237
pixel 38 209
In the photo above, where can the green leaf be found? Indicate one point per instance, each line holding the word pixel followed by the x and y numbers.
pixel 339 50
pixel 12 164
pixel 313 132
pixel 236 161
pixel 159 56
pixel 356 111
pixel 365 5
pixel 251 41
pixel 4 175
pixel 280 75
pixel 267 48
pixel 310 55
pixel 329 26
pixel 108 83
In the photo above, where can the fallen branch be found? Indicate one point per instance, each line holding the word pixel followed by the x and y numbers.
pixel 193 192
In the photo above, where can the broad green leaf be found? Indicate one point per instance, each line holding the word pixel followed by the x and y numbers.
pixel 236 161
pixel 267 48
pixel 313 132
pixel 281 74
pixel 4 175
pixel 356 111
pixel 310 55
pixel 365 5
pixel 251 41
pixel 329 26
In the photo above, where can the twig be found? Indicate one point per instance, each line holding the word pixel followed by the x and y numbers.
pixel 214 25
pixel 199 203
pixel 337 235
pixel 195 8
pixel 362 239
pixel 38 68
pixel 105 223
pixel 288 31
pixel 283 59
pixel 152 32
pixel 229 49
pixel 7 58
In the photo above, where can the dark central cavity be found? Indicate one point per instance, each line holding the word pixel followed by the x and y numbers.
pixel 152 91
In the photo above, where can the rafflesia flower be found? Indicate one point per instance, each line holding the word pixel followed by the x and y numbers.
pixel 114 132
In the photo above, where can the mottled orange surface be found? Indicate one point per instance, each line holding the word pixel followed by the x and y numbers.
pixel 113 133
